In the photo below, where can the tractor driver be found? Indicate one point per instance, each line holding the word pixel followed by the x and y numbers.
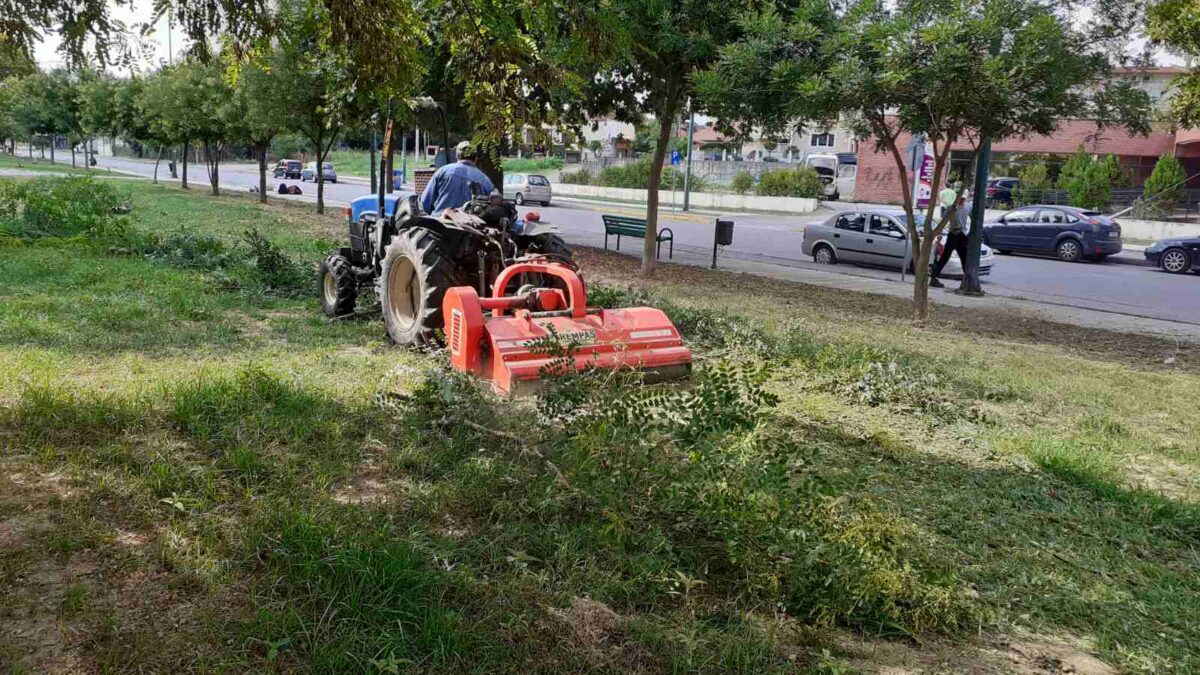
pixel 450 186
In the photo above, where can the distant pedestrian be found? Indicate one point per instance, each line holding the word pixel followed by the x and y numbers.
pixel 956 240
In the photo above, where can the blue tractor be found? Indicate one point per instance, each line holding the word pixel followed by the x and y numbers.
pixel 409 258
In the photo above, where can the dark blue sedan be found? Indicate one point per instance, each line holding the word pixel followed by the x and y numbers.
pixel 1175 255
pixel 1071 234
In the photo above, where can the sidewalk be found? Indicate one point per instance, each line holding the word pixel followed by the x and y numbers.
pixel 1049 311
pixel 627 208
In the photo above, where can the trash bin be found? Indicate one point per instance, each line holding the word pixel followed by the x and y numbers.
pixel 724 232
pixel 723 236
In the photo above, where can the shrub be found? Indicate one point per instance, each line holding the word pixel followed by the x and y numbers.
pixel 275 269
pixel 743 182
pixel 1086 181
pixel 636 175
pixel 1165 186
pixel 1034 181
pixel 798 182
pixel 525 164
pixel 61 207
pixel 580 177
pixel 1117 176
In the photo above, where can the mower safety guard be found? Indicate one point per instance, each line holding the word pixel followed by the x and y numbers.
pixel 577 298
pixel 509 347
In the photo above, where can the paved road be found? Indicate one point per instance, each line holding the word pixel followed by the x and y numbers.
pixel 1110 286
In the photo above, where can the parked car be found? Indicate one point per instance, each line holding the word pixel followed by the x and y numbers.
pixel 310 172
pixel 873 237
pixel 1000 190
pixel 1070 233
pixel 1175 255
pixel 287 168
pixel 523 187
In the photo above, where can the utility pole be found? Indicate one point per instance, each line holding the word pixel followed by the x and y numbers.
pixel 970 282
pixel 170 47
pixel 687 172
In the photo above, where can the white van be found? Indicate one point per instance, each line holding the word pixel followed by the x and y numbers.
pixel 838 178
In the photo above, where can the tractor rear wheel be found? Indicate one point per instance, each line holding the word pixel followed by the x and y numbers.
pixel 553 246
pixel 336 286
pixel 417 270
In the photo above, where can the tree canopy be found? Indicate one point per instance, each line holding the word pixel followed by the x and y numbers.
pixel 1176 25
pixel 950 70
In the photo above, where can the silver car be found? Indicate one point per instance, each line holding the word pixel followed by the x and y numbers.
pixel 310 172
pixel 873 237
pixel 523 187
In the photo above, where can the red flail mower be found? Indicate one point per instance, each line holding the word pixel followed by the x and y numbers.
pixel 503 338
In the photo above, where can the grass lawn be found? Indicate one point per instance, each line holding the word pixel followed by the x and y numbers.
pixel 63 165
pixel 358 162
pixel 199 473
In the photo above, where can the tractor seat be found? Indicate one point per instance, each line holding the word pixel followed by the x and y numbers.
pixel 407 209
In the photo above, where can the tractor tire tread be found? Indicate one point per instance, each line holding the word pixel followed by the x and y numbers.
pixel 436 272
pixel 339 267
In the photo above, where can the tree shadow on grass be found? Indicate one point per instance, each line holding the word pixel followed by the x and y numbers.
pixel 1053 548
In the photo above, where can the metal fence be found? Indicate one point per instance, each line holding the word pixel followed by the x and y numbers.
pixel 714 172
pixel 1118 199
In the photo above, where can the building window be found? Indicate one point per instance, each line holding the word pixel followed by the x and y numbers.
pixel 821 140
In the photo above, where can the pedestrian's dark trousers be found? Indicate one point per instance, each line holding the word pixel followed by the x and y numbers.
pixel 956 242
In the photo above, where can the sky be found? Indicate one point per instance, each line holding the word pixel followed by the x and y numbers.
pixel 152 50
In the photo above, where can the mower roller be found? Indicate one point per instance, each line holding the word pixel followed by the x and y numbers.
pixel 510 339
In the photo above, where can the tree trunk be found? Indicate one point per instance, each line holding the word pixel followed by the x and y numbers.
pixel 488 161
pixel 72 155
pixel 185 163
pixel 374 169
pixel 320 178
pixel 51 150
pixel 666 123
pixel 157 159
pixel 921 282
pixel 212 162
pixel 262 174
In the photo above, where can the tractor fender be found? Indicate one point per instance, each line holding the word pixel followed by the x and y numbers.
pixel 538 228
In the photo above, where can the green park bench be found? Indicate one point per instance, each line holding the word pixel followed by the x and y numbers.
pixel 625 226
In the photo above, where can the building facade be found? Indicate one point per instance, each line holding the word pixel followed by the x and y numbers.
pixel 878 178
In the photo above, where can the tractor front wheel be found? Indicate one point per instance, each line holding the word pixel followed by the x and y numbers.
pixel 417 270
pixel 337 286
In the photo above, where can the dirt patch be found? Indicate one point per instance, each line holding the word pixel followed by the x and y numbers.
pixel 35 626
pixel 991 655
pixel 598 634
pixel 716 288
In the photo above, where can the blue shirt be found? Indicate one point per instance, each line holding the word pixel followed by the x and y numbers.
pixel 450 187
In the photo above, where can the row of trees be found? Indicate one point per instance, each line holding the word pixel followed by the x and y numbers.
pixel 244 97
pixel 954 71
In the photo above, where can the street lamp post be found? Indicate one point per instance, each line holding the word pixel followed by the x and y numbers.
pixel 971 284
pixel 687 172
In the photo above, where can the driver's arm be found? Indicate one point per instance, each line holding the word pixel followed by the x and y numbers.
pixel 485 184
pixel 428 196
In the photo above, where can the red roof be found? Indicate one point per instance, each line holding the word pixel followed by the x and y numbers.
pixel 708 135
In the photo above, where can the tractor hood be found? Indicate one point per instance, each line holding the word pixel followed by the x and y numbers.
pixel 368 203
